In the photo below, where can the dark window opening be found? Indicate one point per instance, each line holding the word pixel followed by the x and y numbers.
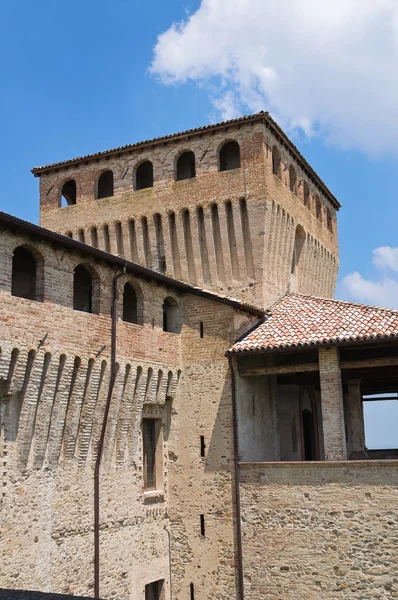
pixel 202 525
pixel 329 220
pixel 105 185
pixel 308 435
pixel 144 176
pixel 276 161
pixel 68 193
pixel 230 156
pixel 186 166
pixel 306 194
pixel 202 446
pixel 155 590
pixel 171 316
pixel 82 290
pixel 201 329
pixel 23 274
pixel 292 179
pixel 318 208
pixel 149 446
pixel 130 304
pixel 191 591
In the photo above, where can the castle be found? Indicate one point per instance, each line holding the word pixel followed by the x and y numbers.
pixel 180 396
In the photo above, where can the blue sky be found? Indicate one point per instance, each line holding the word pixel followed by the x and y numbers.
pixel 79 77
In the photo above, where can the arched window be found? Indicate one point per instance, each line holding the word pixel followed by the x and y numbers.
pixel 105 185
pixel 24 274
pixel 292 179
pixel 171 316
pixel 318 208
pixel 68 193
pixel 276 161
pixel 306 193
pixel 230 156
pixel 130 304
pixel 186 166
pixel 82 290
pixel 329 219
pixel 144 176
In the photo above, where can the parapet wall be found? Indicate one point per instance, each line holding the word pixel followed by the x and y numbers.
pixel 320 530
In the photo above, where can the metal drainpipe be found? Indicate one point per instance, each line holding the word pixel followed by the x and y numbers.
pixel 102 438
pixel 237 487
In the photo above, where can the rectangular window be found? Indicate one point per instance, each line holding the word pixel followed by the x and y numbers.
pixel 151 437
pixel 155 590
pixel 202 525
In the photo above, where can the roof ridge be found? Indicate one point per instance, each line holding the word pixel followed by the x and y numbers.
pixel 345 302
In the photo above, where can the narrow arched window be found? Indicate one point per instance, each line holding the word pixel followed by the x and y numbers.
pixel 82 290
pixel 318 208
pixel 306 193
pixel 68 193
pixel 186 166
pixel 230 156
pixel 171 316
pixel 292 179
pixel 130 304
pixel 144 176
pixel 276 161
pixel 24 274
pixel 105 185
pixel 329 220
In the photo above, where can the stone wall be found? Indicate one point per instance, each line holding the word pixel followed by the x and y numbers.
pixel 231 231
pixel 54 376
pixel 320 530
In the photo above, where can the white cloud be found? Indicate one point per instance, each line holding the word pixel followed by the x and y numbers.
pixel 328 67
pixel 383 289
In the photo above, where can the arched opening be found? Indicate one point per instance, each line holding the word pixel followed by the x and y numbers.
pixel 171 316
pixel 185 166
pixel 144 176
pixel 82 290
pixel 292 179
pixel 318 208
pixel 105 185
pixel 309 442
pixel 329 220
pixel 68 193
pixel 306 193
pixel 229 156
pixel 276 161
pixel 24 274
pixel 130 304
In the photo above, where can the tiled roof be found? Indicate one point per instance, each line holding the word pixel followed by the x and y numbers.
pixel 298 321
pixel 262 115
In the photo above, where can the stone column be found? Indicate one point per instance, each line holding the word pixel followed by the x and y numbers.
pixel 355 415
pixel 332 405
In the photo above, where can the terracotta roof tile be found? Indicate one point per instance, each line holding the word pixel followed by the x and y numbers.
pixel 298 321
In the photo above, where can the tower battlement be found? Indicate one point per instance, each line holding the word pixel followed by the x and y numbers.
pixel 232 207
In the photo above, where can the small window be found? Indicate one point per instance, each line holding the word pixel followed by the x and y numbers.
pixel 230 156
pixel 152 450
pixel 144 176
pixel 68 193
pixel 155 590
pixel 318 208
pixel 82 290
pixel 186 166
pixel 329 220
pixel 171 316
pixel 306 194
pixel 130 304
pixel 276 161
pixel 292 179
pixel 23 274
pixel 105 185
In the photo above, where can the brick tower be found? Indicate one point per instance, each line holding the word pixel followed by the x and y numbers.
pixel 232 207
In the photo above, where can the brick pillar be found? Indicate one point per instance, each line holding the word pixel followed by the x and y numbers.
pixel 355 418
pixel 332 405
